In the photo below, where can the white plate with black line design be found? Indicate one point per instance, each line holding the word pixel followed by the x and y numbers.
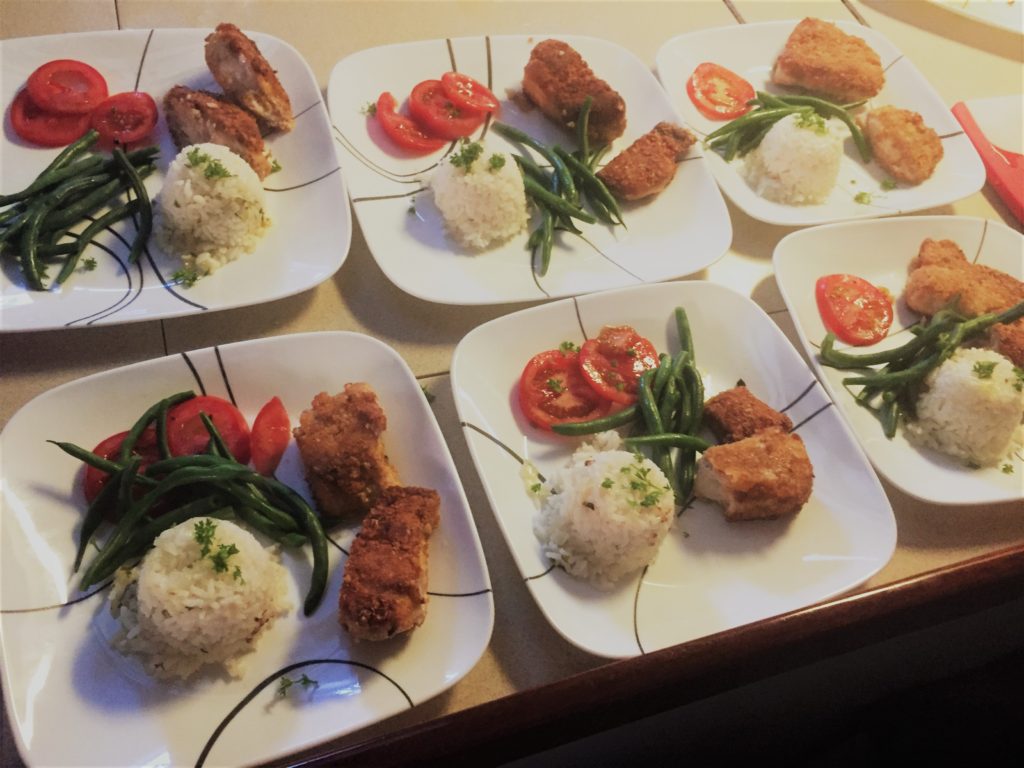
pixel 881 252
pixel 709 575
pixel 306 200
pixel 681 231
pixel 63 682
pixel 861 191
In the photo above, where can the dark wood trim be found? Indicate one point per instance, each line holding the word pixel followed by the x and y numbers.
pixel 624 691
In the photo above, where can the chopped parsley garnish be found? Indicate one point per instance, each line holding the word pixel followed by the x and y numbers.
pixel 607 483
pixel 983 368
pixel 1007 469
pixel 864 198
pixel 203 532
pixel 428 394
pixel 556 386
pixel 637 480
pixel 214 168
pixel 89 264
pixel 812 121
pixel 888 184
pixel 369 108
pixel 568 346
pixel 275 166
pixel 467 155
pixel 412 206
pixel 220 558
pixel 535 488
pixel 1019 373
pixel 187 276
pixel 285 683
pixel 496 162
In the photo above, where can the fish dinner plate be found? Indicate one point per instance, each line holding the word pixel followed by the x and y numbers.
pixel 74 700
pixel 710 575
pixel 861 191
pixel 880 252
pixel 681 231
pixel 306 200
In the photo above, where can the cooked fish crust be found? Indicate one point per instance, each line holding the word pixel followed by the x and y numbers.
pixel 649 164
pixel 736 413
pixel 339 439
pixel 820 57
pixel 247 78
pixel 906 148
pixel 558 81
pixel 196 117
pixel 384 590
pixel 763 476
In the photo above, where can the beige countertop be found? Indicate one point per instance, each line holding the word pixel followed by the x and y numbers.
pixel 963 58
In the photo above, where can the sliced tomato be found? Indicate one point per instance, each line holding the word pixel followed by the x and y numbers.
pixel 271 432
pixel 403 131
pixel 47 129
pixel 856 311
pixel 465 92
pixel 612 363
pixel 67 86
pixel 145 447
pixel 186 434
pixel 125 118
pixel 438 115
pixel 552 391
pixel 718 93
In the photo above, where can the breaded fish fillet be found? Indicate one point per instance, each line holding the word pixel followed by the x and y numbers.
pixel 196 117
pixel 647 165
pixel 558 80
pixel 247 79
pixel 941 273
pixel 906 148
pixel 339 438
pixel 384 591
pixel 763 476
pixel 820 57
pixel 736 413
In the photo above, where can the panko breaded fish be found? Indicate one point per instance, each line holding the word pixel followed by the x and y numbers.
pixel 736 413
pixel 820 57
pixel 384 590
pixel 248 79
pixel 906 148
pixel 763 476
pixel 197 117
pixel 558 81
pixel 649 164
pixel 339 439
pixel 941 273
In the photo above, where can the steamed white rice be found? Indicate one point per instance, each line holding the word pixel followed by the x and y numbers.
pixel 970 408
pixel 605 514
pixel 211 209
pixel 179 613
pixel 797 162
pixel 481 206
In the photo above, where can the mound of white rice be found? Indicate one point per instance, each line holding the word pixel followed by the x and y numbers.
pixel 178 612
pixel 481 205
pixel 797 162
pixel 211 209
pixel 605 514
pixel 970 408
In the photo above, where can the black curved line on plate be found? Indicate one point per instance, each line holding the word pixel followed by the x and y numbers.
pixel 297 115
pixel 337 545
pixel 579 317
pixel 83 598
pixel 981 244
pixel 856 13
pixel 432 375
pixel 951 135
pixel 687 505
pixel 536 279
pixel 825 407
pixel 142 61
pixel 224 375
pixel 800 396
pixel 609 259
pixel 451 54
pixel 540 575
pixel 110 309
pixel 397 178
pixel 305 183
pixel 168 285
pixel 636 607
pixel 892 63
pixel 461 594
pixel 374 198
pixel 195 373
pixel 732 9
pixel 499 443
pixel 270 680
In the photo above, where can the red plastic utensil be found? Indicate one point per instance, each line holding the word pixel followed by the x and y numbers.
pixel 1004 169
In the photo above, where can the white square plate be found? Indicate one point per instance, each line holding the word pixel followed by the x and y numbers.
pixel 681 231
pixel 750 51
pixel 306 200
pixel 710 575
pixel 74 700
pixel 880 252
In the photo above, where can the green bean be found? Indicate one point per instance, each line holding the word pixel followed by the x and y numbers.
pixel 669 401
pixel 757 117
pixel 85 166
pixel 556 203
pixel 732 145
pixel 128 444
pixel 530 168
pixel 667 440
pixel 648 408
pixel 583 128
pixel 217 444
pixel 595 158
pixel 142 539
pixel 661 375
pixel 686 464
pixel 565 178
pixel 174 463
pixel 108 219
pixel 588 179
pixel 828 109
pixel 145 206
pixel 94 516
pixel 601 424
pixel 90 203
pixel 547 240
pixel 752 140
pixel 260 522
pixel 684 332
pixel 695 385
pixel 251 496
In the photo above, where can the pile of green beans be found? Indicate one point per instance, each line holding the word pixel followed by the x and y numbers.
pixel 890 391
pixel 35 222
pixel 738 137
pixel 212 484
pixel 667 416
pixel 559 193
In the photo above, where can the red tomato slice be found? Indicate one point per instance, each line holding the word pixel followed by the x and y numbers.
pixel 853 309
pixel 403 131
pixel 612 363
pixel 125 118
pixel 719 93
pixel 552 390
pixel 187 436
pixel 145 447
pixel 47 129
pixel 436 114
pixel 67 86
pixel 465 92
pixel 271 432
